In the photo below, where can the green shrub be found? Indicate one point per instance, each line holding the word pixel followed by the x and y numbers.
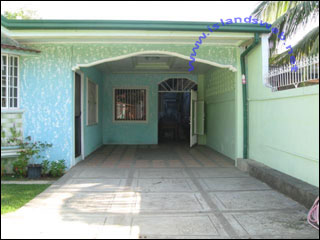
pixel 45 168
pixel 3 167
pixel 20 167
pixel 31 151
pixel 57 168
pixel 15 138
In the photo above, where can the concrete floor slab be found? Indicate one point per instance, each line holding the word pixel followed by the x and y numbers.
pixel 253 200
pixel 218 172
pixel 163 185
pixel 92 185
pixel 232 184
pixel 129 192
pixel 52 228
pixel 280 224
pixel 118 227
pixel 164 173
pixel 76 202
pixel 171 202
pixel 155 154
pixel 101 173
pixel 158 203
pixel 175 226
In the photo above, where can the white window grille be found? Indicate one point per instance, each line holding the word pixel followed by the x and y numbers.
pixel 9 81
pixel 281 78
pixel 92 102
pixel 130 104
pixel 177 85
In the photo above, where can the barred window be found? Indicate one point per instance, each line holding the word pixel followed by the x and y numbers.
pixel 130 105
pixel 92 104
pixel 9 81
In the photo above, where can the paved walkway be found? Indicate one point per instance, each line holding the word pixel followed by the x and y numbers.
pixel 32 182
pixel 166 191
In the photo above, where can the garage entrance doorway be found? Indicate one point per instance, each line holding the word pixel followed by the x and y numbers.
pixel 177 111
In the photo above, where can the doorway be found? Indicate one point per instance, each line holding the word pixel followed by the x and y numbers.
pixel 175 111
pixel 174 117
pixel 78 117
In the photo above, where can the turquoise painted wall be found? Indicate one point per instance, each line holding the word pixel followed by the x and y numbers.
pixel 284 126
pixel 134 133
pixel 219 85
pixel 93 137
pixel 46 96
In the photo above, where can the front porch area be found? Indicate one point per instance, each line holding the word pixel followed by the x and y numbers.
pixel 151 98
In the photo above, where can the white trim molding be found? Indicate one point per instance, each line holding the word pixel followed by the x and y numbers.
pixel 7 107
pixel 199 60
pixel 97 103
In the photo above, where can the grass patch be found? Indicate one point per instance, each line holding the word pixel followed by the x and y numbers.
pixel 14 196
pixel 11 177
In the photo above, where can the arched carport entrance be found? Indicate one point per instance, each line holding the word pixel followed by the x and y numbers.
pixel 122 106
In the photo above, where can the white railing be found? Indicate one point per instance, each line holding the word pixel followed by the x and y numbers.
pixel 281 77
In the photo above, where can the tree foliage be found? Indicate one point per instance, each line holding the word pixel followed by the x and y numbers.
pixel 21 14
pixel 289 17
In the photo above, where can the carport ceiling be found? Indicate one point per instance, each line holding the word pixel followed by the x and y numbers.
pixel 152 63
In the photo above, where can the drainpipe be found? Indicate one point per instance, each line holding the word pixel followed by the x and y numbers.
pixel 245 95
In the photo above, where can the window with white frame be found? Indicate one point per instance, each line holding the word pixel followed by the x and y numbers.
pixel 130 105
pixel 9 81
pixel 92 102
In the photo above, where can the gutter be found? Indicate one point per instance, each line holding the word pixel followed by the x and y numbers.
pixel 14 24
pixel 257 40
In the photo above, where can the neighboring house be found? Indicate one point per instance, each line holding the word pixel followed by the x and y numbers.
pixel 81 84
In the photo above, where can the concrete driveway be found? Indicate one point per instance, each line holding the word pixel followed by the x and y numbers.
pixel 165 191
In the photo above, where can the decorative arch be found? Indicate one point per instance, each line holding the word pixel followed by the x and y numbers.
pixel 176 85
pixel 214 64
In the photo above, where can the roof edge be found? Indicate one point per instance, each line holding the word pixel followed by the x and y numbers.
pixel 6 46
pixel 13 24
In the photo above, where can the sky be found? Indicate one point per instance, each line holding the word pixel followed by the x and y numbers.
pixel 145 10
pixel 210 11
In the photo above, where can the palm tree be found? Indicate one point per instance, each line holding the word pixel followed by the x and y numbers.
pixel 288 17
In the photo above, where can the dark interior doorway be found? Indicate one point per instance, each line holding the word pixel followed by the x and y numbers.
pixel 77 122
pixel 174 117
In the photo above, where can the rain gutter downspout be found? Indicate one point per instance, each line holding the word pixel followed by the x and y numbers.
pixel 257 40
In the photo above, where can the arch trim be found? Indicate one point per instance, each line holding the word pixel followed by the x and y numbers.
pixel 112 59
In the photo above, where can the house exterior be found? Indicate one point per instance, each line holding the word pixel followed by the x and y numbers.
pixel 82 84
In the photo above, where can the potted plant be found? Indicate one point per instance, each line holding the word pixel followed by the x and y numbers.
pixel 31 152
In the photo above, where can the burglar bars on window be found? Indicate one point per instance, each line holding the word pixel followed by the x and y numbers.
pixel 130 104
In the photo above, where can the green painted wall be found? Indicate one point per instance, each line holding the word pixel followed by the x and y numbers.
pixel 219 85
pixel 92 133
pixel 239 110
pixel 134 133
pixel 284 126
pixel 202 139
